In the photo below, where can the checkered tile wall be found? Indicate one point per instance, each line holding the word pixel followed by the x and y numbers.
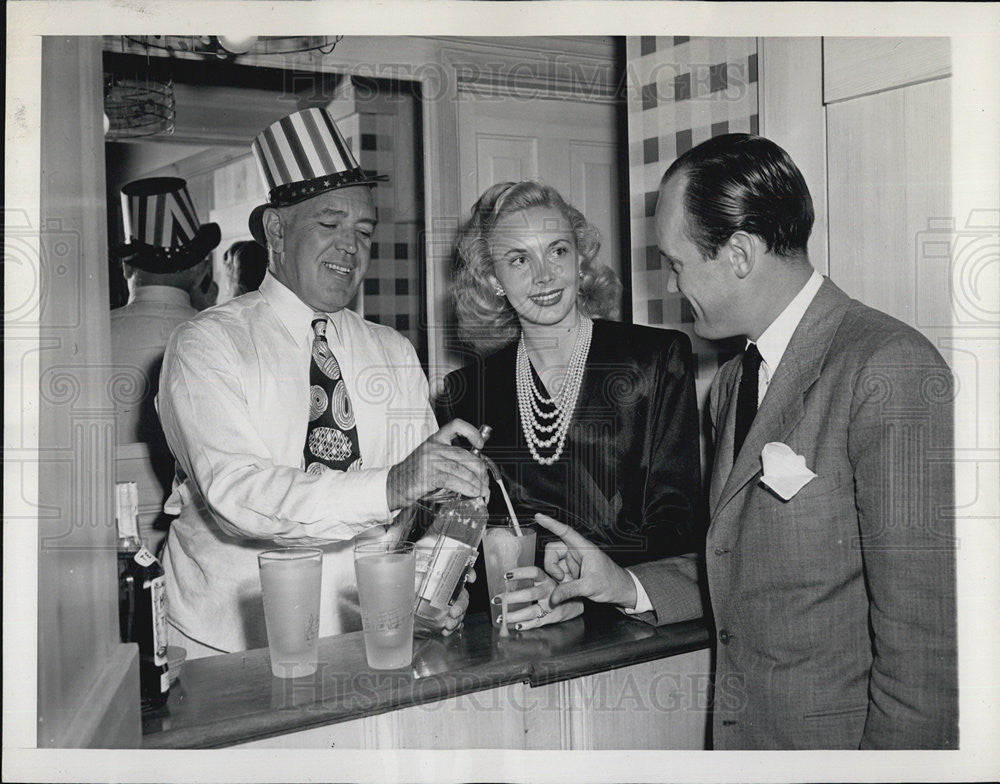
pixel 392 288
pixel 681 91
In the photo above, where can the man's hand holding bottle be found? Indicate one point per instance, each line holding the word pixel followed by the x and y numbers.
pixel 438 464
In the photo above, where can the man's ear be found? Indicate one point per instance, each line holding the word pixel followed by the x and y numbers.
pixel 273 230
pixel 741 252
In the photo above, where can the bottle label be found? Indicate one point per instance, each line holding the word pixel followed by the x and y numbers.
pixel 158 594
pixel 144 557
pixel 442 565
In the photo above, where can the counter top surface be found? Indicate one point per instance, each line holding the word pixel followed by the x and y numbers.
pixel 229 699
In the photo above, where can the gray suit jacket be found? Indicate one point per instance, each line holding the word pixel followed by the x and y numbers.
pixel 835 610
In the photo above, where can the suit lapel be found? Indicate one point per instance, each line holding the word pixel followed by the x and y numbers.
pixel 782 407
pixel 725 428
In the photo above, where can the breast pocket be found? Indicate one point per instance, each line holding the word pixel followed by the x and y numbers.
pixel 817 493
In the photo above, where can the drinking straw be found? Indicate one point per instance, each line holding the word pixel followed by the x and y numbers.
pixel 495 473
pixel 504 632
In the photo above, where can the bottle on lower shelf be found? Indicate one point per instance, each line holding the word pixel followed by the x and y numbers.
pixel 142 609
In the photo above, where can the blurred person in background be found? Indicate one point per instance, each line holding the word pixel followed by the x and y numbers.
pixel 244 263
pixel 166 263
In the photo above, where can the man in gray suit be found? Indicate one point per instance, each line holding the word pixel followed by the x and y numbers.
pixel 830 553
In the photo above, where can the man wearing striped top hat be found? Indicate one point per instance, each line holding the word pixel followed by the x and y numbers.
pixel 294 420
pixel 166 263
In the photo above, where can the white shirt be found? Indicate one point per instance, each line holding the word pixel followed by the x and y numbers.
pixel 234 402
pixel 139 333
pixel 775 339
pixel 771 344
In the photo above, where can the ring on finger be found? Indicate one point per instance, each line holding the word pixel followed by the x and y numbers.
pixel 542 612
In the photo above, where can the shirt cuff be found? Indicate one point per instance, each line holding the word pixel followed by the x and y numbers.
pixel 360 498
pixel 380 478
pixel 642 603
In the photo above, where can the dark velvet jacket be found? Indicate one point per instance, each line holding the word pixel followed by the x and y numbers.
pixel 629 477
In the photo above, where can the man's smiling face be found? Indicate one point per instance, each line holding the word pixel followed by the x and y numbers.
pixel 325 246
pixel 708 284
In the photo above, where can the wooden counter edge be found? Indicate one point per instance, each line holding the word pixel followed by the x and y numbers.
pixel 661 643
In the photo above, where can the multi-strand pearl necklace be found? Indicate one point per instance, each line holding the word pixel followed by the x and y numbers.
pixel 560 408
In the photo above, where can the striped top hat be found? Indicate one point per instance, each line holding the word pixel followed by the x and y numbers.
pixel 162 231
pixel 301 156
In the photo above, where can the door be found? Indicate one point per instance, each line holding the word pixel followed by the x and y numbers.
pixel 572 146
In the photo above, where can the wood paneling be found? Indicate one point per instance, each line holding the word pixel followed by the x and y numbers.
pixel 889 178
pixel 791 97
pixel 490 719
pixel 77 584
pixel 655 705
pixel 99 721
pixel 859 66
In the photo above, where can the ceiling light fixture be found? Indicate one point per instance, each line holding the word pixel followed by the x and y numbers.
pixel 135 107
pixel 231 46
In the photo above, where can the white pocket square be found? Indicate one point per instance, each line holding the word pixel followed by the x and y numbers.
pixel 784 471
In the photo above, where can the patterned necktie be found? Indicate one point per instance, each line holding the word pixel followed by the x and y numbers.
pixel 746 400
pixel 331 437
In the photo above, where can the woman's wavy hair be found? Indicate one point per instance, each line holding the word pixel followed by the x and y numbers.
pixel 486 321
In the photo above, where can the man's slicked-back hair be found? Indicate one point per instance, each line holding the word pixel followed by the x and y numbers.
pixel 740 182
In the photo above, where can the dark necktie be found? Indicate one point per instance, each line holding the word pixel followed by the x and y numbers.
pixel 331 437
pixel 746 400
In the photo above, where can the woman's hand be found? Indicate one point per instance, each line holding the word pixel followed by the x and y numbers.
pixel 539 612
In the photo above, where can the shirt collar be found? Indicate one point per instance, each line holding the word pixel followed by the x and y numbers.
pixel 161 294
pixel 295 314
pixel 774 340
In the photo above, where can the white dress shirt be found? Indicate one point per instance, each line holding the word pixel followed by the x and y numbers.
pixel 775 339
pixel 139 333
pixel 771 344
pixel 234 402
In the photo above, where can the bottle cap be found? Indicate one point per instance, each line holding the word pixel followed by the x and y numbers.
pixel 485 432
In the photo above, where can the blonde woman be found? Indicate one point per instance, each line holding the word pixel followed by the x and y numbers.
pixel 594 422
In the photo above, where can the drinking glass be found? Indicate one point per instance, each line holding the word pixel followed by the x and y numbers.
pixel 386 574
pixel 290 579
pixel 504 550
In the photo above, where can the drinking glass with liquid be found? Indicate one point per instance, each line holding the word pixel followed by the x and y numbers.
pixel 503 550
pixel 291 580
pixel 386 575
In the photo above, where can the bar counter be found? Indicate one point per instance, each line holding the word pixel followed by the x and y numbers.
pixel 474 677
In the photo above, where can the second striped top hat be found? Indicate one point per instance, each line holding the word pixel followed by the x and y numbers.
pixel 162 230
pixel 301 156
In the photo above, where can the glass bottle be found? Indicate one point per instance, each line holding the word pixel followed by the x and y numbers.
pixel 448 549
pixel 142 605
